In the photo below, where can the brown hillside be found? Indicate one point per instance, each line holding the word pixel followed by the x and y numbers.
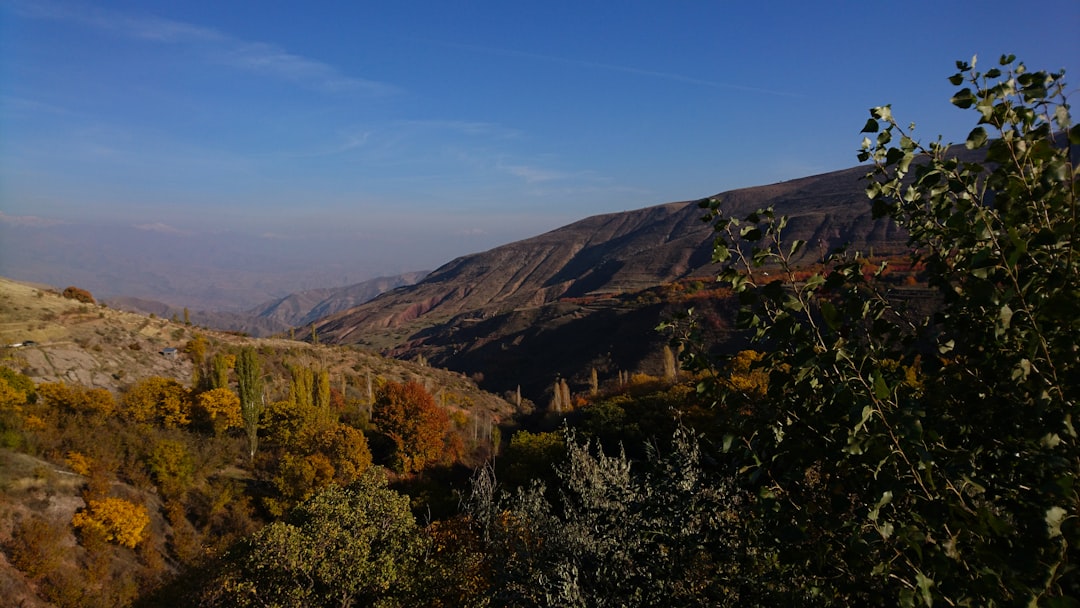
pixel 613 253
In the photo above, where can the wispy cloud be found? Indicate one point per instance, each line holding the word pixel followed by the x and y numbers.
pixel 29 221
pixel 627 70
pixel 216 46
pixel 533 174
pixel 162 228
pixel 464 127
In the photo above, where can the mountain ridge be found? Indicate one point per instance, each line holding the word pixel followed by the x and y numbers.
pixel 611 253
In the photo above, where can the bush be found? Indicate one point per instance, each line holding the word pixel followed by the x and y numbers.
pixel 80 295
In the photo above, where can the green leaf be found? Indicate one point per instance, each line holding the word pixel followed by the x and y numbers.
pixel 976 139
pixel 925 583
pixel 830 314
pixel 881 388
pixel 963 99
pixel 871 126
pixel 750 233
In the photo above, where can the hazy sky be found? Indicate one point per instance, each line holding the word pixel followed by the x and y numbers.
pixel 434 129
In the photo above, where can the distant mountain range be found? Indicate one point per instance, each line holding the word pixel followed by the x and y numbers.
pixel 515 313
pixel 279 315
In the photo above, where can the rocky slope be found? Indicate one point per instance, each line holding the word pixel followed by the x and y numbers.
pixel 614 253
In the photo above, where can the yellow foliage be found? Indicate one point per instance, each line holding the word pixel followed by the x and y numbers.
pixel 115 519
pixel 743 378
pixel 79 462
pixel 158 399
pixel 11 398
pixel 34 423
pixel 639 379
pixel 219 408
pixel 77 399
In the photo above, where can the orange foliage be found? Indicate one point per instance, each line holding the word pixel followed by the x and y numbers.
pixel 407 414
pixel 81 295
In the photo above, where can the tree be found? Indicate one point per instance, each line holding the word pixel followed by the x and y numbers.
pixel 249 385
pixel 160 400
pixel 115 520
pixel 79 295
pixel 218 409
pixel 407 414
pixel 912 458
pixel 302 387
pixel 96 402
pixel 346 546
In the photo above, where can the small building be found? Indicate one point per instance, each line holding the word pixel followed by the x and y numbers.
pixel 169 352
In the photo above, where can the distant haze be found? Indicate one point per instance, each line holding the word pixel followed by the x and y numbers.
pixel 213 271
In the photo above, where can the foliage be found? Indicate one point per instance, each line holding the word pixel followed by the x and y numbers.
pixel 171 466
pixel 36 546
pixel 12 383
pixel 156 399
pixel 661 533
pixel 115 520
pixel 76 399
pixel 250 386
pixel 79 295
pixel 219 410
pixel 308 451
pixel 407 414
pixel 531 456
pixel 346 546
pixel 917 459
pixel 11 398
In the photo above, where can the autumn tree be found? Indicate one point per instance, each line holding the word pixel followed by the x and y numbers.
pixel 96 402
pixel 79 295
pixel 159 400
pixel 171 465
pixel 302 386
pixel 307 451
pixel 407 414
pixel 15 389
pixel 218 374
pixel 115 520
pixel 218 409
pixel 249 384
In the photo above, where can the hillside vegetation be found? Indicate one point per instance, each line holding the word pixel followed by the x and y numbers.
pixel 849 444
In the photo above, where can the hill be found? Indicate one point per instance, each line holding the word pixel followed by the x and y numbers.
pixel 95 346
pixel 275 316
pixel 490 312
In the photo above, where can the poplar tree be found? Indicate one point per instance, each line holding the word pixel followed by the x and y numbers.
pixel 250 386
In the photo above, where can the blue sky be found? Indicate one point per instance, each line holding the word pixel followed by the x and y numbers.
pixel 428 130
